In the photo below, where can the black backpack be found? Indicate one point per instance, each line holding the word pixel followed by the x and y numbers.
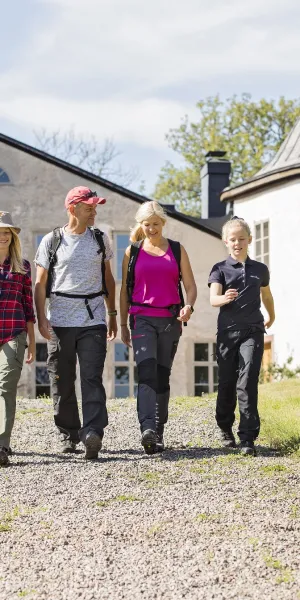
pixel 134 251
pixel 55 243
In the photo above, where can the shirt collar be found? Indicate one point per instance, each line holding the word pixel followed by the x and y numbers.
pixel 233 262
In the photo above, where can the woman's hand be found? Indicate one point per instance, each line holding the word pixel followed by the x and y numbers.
pixel 30 353
pixel 125 336
pixel 185 314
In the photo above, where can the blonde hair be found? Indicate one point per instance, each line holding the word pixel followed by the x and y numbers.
pixel 147 209
pixel 15 254
pixel 232 223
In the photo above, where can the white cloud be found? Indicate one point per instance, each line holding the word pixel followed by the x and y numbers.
pixel 102 65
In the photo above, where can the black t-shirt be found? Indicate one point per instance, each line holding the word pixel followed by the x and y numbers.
pixel 247 279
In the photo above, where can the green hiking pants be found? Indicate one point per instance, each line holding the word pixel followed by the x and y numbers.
pixel 11 362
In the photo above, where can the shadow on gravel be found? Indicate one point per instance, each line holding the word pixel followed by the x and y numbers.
pixel 173 454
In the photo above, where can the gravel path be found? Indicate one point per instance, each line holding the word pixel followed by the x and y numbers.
pixel 197 522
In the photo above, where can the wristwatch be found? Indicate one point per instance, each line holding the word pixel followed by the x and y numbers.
pixel 191 308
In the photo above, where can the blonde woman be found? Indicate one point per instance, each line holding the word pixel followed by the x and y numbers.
pixel 150 294
pixel 236 286
pixel 16 322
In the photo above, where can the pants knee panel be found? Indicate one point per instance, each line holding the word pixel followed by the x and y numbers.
pixel 147 372
pixel 163 379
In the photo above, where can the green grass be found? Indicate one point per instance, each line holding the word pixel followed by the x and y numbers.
pixel 279 407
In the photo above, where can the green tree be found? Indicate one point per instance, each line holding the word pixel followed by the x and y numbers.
pixel 250 132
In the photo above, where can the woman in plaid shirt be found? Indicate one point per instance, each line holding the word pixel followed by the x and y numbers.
pixel 16 322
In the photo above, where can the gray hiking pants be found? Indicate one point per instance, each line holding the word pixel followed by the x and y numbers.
pixel 11 362
pixel 89 344
pixel 154 341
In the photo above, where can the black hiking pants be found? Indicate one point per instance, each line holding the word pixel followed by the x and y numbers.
pixel 239 356
pixel 89 345
pixel 154 341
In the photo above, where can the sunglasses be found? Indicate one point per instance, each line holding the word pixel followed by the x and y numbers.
pixel 85 196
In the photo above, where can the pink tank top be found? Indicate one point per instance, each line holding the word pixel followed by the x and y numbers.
pixel 156 282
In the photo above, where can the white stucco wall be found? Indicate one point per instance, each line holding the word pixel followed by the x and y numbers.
pixel 281 206
pixel 36 201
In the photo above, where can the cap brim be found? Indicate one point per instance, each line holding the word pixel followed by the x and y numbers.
pixel 93 200
pixel 16 229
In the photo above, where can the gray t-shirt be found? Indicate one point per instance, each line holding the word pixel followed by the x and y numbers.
pixel 77 271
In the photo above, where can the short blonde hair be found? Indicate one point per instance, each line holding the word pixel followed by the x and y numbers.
pixel 232 223
pixel 147 209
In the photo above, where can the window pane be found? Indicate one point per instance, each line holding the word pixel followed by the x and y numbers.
pixel 121 391
pixel 257 232
pixel 215 387
pixel 201 352
pixel 266 260
pixel 266 229
pixel 121 353
pixel 38 239
pixel 201 389
pixel 3 176
pixel 266 246
pixel 214 357
pixel 41 352
pixel 41 375
pixel 257 248
pixel 121 375
pixel 122 241
pixel 215 374
pixel 201 375
pixel 42 390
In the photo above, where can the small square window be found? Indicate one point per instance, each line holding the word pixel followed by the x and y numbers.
pixel 201 352
pixel 257 232
pixel 121 352
pixel 41 376
pixel 122 375
pixel 266 229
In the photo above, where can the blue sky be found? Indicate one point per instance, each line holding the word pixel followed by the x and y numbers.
pixel 131 70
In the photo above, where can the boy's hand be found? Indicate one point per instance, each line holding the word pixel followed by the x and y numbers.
pixel 230 295
pixel 269 322
pixel 112 328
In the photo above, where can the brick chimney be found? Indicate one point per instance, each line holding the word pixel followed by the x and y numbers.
pixel 215 175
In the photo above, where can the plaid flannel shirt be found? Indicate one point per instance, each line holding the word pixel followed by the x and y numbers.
pixel 16 304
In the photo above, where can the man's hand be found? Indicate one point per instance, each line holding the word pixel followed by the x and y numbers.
pixel 45 328
pixel 112 328
pixel 125 336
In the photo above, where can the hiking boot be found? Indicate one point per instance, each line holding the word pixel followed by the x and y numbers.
pixel 9 451
pixel 248 448
pixel 149 441
pixel 93 445
pixel 67 446
pixel 160 446
pixel 4 460
pixel 227 439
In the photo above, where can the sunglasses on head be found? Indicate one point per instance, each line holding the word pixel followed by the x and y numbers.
pixel 85 196
pixel 239 218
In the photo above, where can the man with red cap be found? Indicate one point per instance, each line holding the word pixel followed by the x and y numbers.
pixel 77 274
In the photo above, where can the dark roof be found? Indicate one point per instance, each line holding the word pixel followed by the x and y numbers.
pixel 284 165
pixel 204 225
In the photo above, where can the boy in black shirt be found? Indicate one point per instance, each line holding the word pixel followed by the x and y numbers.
pixel 235 286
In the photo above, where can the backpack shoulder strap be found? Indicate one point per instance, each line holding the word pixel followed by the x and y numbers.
pixel 134 252
pixel 98 235
pixel 176 249
pixel 55 243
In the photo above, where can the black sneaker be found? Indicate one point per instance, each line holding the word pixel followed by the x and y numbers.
pixel 248 448
pixel 160 446
pixel 149 441
pixel 4 460
pixel 93 445
pixel 67 446
pixel 227 439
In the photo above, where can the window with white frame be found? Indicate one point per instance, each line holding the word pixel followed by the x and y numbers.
pixel 205 368
pixel 262 242
pixel 38 239
pixel 125 371
pixel 4 177
pixel 122 241
pixel 42 383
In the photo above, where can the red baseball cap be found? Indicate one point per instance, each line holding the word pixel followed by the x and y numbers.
pixel 82 194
